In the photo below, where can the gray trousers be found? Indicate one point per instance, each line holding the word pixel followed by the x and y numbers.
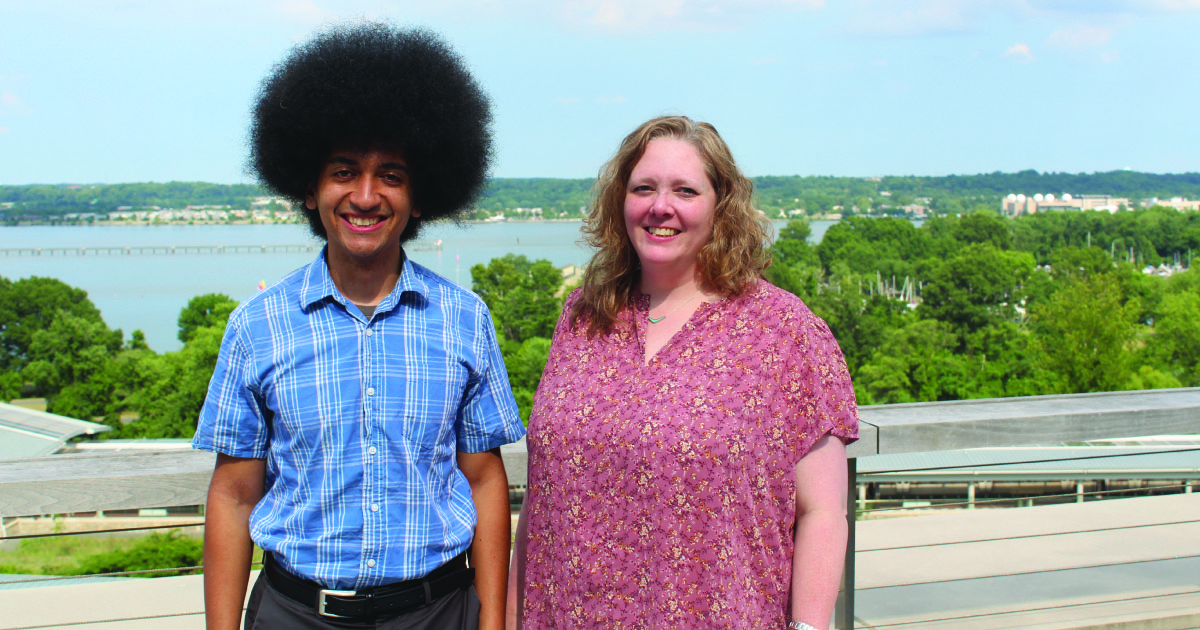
pixel 269 609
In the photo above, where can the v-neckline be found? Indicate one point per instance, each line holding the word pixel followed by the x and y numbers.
pixel 641 322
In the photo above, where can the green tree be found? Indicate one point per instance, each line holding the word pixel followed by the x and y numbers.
pixel 791 247
pixel 858 322
pixel 524 298
pixel 1085 332
pixel 978 286
pixel 525 366
pixel 71 362
pixel 1176 339
pixel 10 386
pixel 167 391
pixel 916 362
pixel 982 227
pixel 522 295
pixel 30 305
pixel 210 309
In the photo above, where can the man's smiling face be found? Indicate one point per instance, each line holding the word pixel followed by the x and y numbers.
pixel 365 202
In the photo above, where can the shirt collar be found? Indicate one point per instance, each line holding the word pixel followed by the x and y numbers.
pixel 318 285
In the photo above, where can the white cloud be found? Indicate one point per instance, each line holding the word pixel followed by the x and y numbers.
pixel 1168 5
pixel 11 104
pixel 891 18
pixel 1081 36
pixel 1020 52
pixel 610 99
pixel 4 130
pixel 919 18
pixel 632 16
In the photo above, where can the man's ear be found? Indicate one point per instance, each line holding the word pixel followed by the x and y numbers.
pixel 310 197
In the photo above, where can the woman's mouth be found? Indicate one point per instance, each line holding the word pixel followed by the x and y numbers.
pixel 662 231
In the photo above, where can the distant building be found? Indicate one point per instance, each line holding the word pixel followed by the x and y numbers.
pixel 1179 203
pixel 1018 204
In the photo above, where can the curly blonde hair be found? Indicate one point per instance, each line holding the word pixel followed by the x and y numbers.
pixel 730 263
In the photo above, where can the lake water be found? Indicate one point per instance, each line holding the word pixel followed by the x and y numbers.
pixel 147 292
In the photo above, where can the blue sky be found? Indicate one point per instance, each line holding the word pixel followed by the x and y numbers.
pixel 107 91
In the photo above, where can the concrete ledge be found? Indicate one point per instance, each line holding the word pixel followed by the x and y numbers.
pixel 1119 563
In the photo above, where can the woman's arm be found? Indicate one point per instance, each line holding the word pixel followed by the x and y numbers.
pixel 516 573
pixel 821 532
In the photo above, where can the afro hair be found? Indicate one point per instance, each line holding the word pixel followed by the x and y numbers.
pixel 364 86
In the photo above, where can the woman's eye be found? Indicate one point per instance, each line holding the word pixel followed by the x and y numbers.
pixel 691 192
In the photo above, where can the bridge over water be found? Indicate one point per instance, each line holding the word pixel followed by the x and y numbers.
pixel 166 250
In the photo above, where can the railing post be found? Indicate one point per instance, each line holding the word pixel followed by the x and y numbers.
pixel 844 613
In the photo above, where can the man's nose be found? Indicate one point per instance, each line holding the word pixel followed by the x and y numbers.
pixel 365 195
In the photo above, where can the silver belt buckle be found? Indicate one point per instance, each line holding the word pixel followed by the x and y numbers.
pixel 321 601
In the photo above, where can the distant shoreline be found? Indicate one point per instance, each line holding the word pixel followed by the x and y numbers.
pixel 106 223
pixel 241 223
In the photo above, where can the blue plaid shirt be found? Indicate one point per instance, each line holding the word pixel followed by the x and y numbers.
pixel 359 421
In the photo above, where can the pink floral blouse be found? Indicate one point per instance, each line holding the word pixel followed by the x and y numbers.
pixel 663 495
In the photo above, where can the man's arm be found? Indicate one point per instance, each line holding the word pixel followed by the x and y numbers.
pixel 236 487
pixel 489 552
pixel 821 531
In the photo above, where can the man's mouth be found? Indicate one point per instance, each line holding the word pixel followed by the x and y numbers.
pixel 363 221
pixel 662 231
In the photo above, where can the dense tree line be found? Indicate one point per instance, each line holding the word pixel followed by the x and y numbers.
pixel 560 198
pixel 54 344
pixel 50 200
pixel 999 307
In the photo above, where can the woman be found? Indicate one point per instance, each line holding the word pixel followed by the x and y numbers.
pixel 687 464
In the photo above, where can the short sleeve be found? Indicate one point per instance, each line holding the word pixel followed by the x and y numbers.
pixel 233 420
pixel 819 385
pixel 487 415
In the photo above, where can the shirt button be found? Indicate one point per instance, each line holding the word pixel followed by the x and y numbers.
pixel 370 332
pixel 370 563
pixel 374 507
pixel 370 391
pixel 371 450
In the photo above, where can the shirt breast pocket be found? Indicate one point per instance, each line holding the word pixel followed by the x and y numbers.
pixel 428 408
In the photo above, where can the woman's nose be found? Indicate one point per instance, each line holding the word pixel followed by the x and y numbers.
pixel 661 205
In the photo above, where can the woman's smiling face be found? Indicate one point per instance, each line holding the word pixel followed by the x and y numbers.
pixel 669 206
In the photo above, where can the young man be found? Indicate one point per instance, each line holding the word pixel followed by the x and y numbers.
pixel 358 405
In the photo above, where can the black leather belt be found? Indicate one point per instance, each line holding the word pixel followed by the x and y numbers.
pixel 381 601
